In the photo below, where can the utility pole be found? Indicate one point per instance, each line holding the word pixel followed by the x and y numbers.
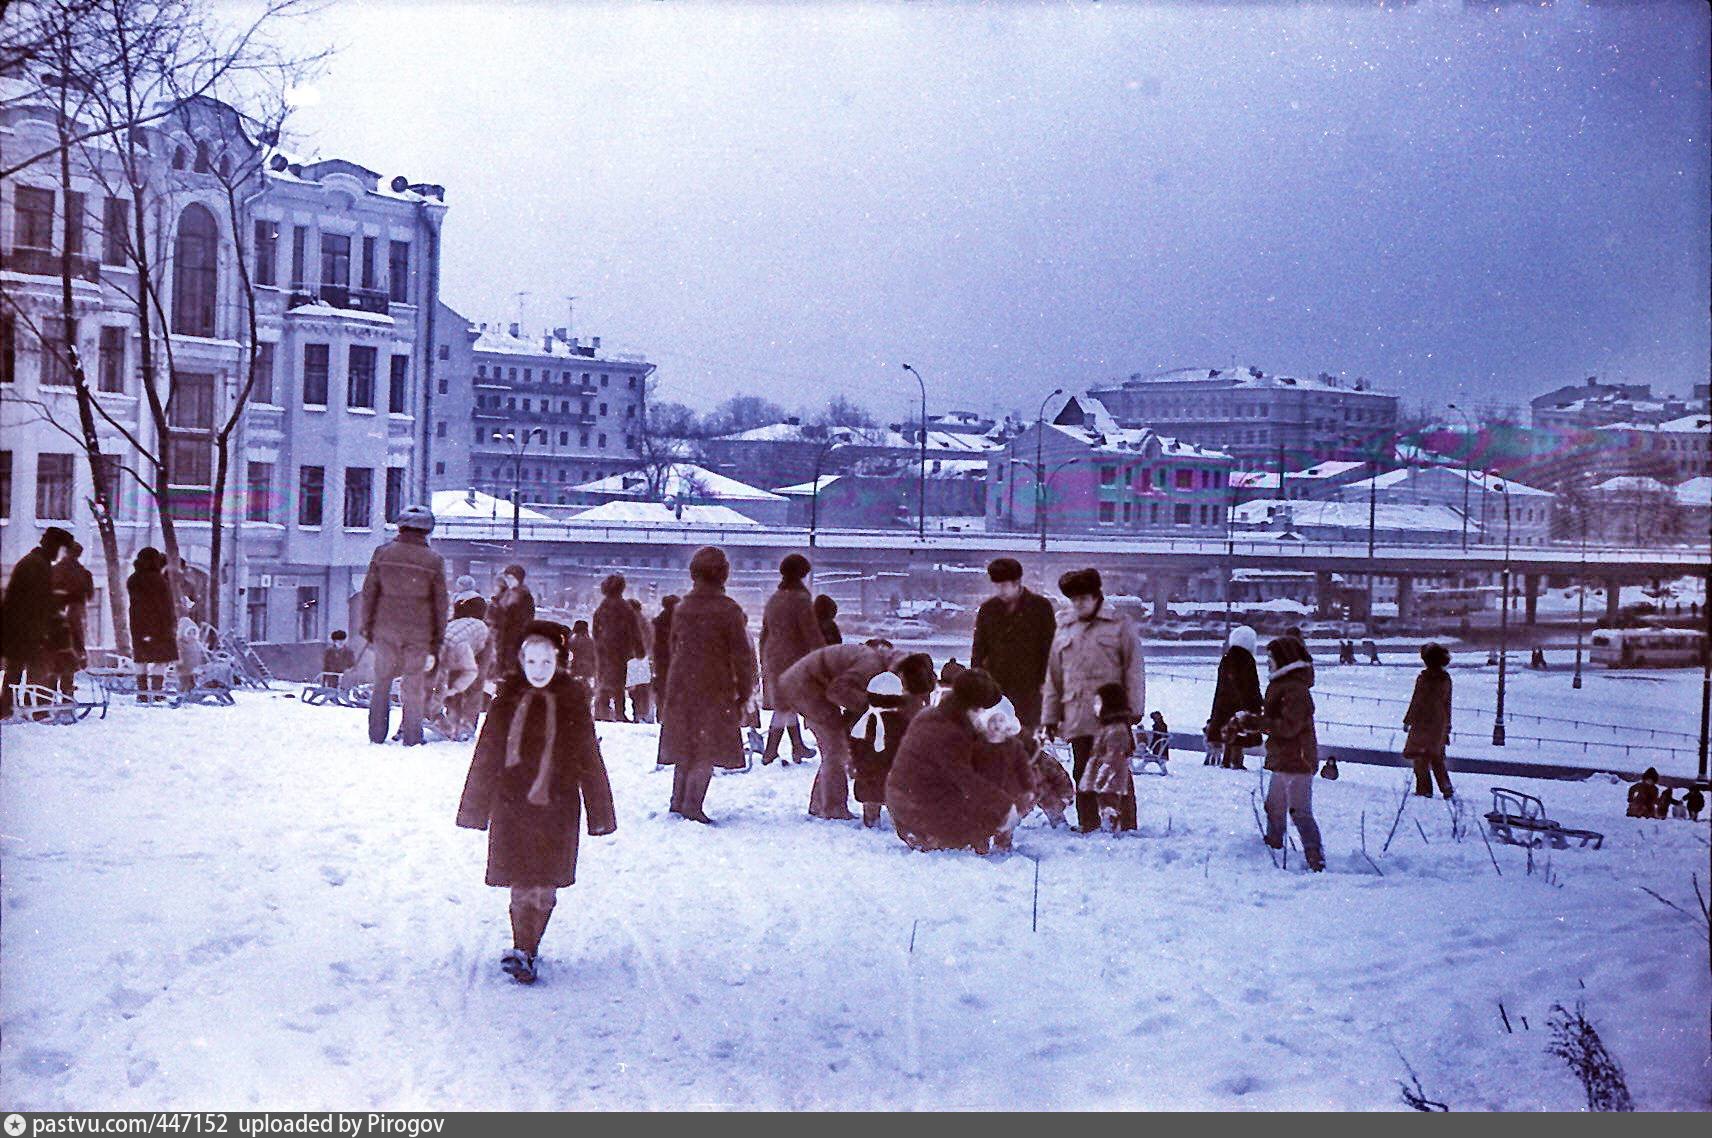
pixel 1503 624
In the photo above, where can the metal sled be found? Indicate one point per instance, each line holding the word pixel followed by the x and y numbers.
pixel 1519 819
pixel 38 703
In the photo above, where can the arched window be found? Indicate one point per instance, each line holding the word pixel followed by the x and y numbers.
pixel 225 165
pixel 195 272
pixel 202 158
pixel 180 158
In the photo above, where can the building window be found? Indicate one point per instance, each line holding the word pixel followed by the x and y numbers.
pixel 53 487
pixel 369 253
pixel 395 491
pixel 1108 475
pixel 115 231
pixel 258 492
pixel 34 210
pixel 481 371
pixel 190 450
pixel 442 385
pixel 316 365
pixel 111 368
pixel 261 391
pixel 308 612
pixel 1108 513
pixel 8 348
pixel 528 375
pixel 582 438
pixel 267 252
pixel 603 440
pixel 439 468
pixel 440 429
pixel 481 435
pixel 5 483
pixel 311 494
pixel 603 408
pixel 256 606
pixel 336 260
pixel 360 377
pixel 605 379
pixel 56 370
pixel 398 384
pixel 359 496
pixel 398 272
pixel 564 438
pixel 299 256
pixel 195 272
pixel 1180 514
pixel 630 383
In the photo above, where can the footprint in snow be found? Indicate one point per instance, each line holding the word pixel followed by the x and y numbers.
pixel 332 876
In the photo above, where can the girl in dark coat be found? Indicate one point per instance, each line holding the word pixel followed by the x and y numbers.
pixel 937 797
pixel 826 613
pixel 789 631
pixel 1238 690
pixel 509 613
pixel 711 686
pixel 875 738
pixel 1292 748
pixel 536 764
pixel 1428 722
pixel 154 625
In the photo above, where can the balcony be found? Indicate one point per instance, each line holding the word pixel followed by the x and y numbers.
pixel 46 263
pixel 340 296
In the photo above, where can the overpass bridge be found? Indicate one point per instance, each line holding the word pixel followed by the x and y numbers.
pixel 1165 563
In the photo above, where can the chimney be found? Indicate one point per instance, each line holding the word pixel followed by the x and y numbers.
pixel 516 330
pixel 561 334
pixel 597 343
pixel 546 343
pixel 794 421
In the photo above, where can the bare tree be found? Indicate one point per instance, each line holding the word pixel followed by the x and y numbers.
pixel 841 411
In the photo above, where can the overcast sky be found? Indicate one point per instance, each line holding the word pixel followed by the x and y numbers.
pixel 791 200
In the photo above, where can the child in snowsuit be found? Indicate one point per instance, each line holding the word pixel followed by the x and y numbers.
pixel 1427 722
pixel 1694 802
pixel 336 659
pixel 874 740
pixel 1107 775
pixel 536 764
pixel 1666 804
pixel 1643 796
pixel 1157 741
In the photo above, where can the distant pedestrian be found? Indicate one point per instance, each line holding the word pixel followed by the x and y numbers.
pixel 1644 794
pixel 789 631
pixel 826 613
pixel 710 688
pixel 1158 744
pixel 1292 748
pixel 154 629
pixel 582 654
pixel 28 612
pixel 1094 646
pixel 1107 775
pixel 1427 722
pixel 336 659
pixel 639 672
pixel 1237 690
pixel 405 607
pixel 510 612
pixel 1014 630
pixel 1694 802
pixel 663 651
pixel 616 643
pixel 1372 651
pixel 829 687
pixel 536 766
pixel 467 600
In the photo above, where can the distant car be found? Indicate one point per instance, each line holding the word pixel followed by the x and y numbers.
pixel 903 629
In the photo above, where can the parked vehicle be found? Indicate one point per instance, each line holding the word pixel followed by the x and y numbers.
pixel 1648 647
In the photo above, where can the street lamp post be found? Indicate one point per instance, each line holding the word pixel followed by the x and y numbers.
pixel 1580 603
pixel 1467 468
pixel 814 497
pixel 519 446
pixel 1503 623
pixel 1039 463
pixel 921 475
pixel 1041 477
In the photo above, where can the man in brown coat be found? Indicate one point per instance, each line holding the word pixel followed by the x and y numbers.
pixel 789 631
pixel 617 641
pixel 404 621
pixel 828 684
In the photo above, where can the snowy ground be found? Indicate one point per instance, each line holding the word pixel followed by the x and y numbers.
pixel 252 908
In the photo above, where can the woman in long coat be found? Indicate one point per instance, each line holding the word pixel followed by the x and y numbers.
pixel 1428 722
pixel 154 624
pixel 1237 690
pixel 508 614
pixel 536 764
pixel 710 685
pixel 942 793
pixel 789 631
pixel 1094 647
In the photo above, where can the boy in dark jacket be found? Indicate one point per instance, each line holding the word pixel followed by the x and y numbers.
pixel 336 659
pixel 1292 747
pixel 1694 802
pixel 1428 722
pixel 537 763
pixel 1013 638
pixel 1107 775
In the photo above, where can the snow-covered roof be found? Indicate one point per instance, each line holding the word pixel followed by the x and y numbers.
pixel 499 341
pixel 679 480
pixel 1632 484
pixel 1698 423
pixel 941 441
pixel 1127 440
pixel 1351 515
pixel 659 514
pixel 327 310
pixel 1253 377
pixel 1479 479
pixel 473 505
pixel 1268 479
pixel 807 489
pixel 1695 492
pixel 952 467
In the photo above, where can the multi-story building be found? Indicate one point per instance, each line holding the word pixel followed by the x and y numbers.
pixel 1474 494
pixel 1256 417
pixel 784 453
pixel 539 415
pixel 1087 474
pixel 1319 482
pixel 343 271
pixel 1594 404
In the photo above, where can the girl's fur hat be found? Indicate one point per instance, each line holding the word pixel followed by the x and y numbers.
pixel 613 585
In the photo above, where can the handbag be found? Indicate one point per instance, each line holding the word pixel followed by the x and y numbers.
pixel 637 673
pixel 1329 770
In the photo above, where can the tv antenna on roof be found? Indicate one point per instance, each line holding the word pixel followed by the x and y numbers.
pixel 571 314
pixel 522 296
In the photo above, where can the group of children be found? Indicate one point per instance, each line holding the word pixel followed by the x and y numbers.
pixel 1649 800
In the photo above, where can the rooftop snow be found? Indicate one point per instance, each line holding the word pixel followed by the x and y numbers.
pixel 681 480
pixel 659 514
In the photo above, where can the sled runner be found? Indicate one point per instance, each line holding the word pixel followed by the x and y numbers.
pixel 1520 820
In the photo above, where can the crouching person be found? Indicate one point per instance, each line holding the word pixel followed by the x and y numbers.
pixel 1292 748
pixel 536 764
pixel 937 794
